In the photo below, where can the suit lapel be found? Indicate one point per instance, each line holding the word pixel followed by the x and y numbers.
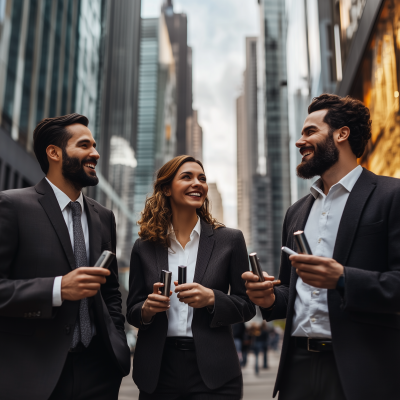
pixel 355 204
pixel 50 205
pixel 206 246
pixel 94 225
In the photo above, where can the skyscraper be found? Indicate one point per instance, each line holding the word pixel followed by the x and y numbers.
pixel 156 133
pixel 194 137
pixel 274 113
pixel 216 206
pixel 49 57
pixel 253 185
pixel 177 29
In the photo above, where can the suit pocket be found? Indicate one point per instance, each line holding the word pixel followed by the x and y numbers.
pixel 106 246
pixel 370 229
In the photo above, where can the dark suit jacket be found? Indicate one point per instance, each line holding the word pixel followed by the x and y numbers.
pixel 35 247
pixel 221 260
pixel 365 323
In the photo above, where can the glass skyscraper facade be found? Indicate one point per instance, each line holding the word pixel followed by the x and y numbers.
pixel 157 110
pixel 273 113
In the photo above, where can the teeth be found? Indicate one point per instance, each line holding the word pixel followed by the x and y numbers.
pixel 194 194
pixel 90 166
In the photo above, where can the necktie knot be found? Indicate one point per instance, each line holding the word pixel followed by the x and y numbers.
pixel 75 208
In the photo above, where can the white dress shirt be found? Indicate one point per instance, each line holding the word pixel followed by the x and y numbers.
pixel 311 314
pixel 180 315
pixel 63 201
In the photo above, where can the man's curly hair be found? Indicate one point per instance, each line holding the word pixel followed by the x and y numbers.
pixel 345 111
pixel 156 217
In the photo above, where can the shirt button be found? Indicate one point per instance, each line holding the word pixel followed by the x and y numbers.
pixel 319 240
pixel 313 319
pixel 323 213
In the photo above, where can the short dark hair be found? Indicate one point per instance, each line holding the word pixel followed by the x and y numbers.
pixel 53 131
pixel 345 111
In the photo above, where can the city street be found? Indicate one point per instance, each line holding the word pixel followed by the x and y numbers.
pixel 255 387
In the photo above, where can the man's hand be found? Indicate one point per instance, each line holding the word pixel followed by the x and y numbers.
pixel 195 295
pixel 155 303
pixel 260 293
pixel 320 272
pixel 83 282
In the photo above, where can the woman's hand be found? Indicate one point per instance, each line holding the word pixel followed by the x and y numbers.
pixel 155 303
pixel 195 295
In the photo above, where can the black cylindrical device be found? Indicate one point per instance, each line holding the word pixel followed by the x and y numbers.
pixel 182 274
pixel 256 267
pixel 166 277
pixel 302 243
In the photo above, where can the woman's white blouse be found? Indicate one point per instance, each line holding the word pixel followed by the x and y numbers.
pixel 180 315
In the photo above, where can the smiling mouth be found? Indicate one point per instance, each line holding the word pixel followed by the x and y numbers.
pixel 306 151
pixel 91 166
pixel 194 194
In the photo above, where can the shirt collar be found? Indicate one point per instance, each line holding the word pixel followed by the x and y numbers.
pixel 197 229
pixel 63 199
pixel 347 182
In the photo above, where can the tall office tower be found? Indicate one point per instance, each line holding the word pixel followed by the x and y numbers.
pixel 194 137
pixel 156 133
pixel 311 70
pixel 274 113
pixel 177 29
pixel 217 208
pixel 49 57
pixel 253 185
pixel 117 114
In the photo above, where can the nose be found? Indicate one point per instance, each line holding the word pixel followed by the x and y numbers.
pixel 94 153
pixel 301 142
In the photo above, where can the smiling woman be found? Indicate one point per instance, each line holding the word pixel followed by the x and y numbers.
pixel 177 232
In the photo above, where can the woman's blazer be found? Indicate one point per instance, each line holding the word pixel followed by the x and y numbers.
pixel 221 260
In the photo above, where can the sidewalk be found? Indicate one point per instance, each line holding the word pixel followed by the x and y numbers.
pixel 255 387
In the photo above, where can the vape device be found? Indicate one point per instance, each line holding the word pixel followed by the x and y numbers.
pixel 182 274
pixel 302 243
pixel 105 259
pixel 166 277
pixel 256 267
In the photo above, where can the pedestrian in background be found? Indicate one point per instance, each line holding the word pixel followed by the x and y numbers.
pixel 185 348
pixel 238 331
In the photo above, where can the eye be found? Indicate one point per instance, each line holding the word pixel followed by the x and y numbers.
pixel 185 176
pixel 203 178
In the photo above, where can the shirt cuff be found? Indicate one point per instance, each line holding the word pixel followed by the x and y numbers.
pixel 57 300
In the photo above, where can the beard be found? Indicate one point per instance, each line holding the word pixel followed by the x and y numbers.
pixel 72 169
pixel 325 156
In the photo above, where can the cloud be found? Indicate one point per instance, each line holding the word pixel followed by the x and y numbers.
pixel 217 31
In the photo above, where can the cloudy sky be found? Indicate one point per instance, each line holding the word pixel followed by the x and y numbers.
pixel 217 31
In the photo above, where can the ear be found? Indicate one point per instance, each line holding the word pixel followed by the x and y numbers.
pixel 343 134
pixel 54 153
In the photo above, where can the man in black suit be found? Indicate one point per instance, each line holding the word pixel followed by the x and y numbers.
pixel 341 304
pixel 61 328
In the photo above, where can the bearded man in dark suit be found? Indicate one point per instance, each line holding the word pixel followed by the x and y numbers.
pixel 61 328
pixel 341 304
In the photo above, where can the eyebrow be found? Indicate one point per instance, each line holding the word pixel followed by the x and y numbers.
pixel 191 173
pixel 307 128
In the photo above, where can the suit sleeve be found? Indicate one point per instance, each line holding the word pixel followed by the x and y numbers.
pixel 137 290
pixel 19 298
pixel 110 290
pixel 374 291
pixel 235 307
pixel 279 310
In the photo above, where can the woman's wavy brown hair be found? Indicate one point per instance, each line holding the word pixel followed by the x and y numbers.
pixel 157 214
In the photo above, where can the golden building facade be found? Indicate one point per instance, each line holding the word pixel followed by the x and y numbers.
pixel 377 84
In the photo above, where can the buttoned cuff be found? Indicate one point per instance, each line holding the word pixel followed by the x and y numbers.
pixel 57 299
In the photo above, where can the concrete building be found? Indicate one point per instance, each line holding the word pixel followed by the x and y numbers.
pixel 177 29
pixel 194 137
pixel 157 110
pixel 273 114
pixel 253 188
pixel 215 198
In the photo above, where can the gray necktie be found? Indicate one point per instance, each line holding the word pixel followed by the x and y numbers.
pixel 83 328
